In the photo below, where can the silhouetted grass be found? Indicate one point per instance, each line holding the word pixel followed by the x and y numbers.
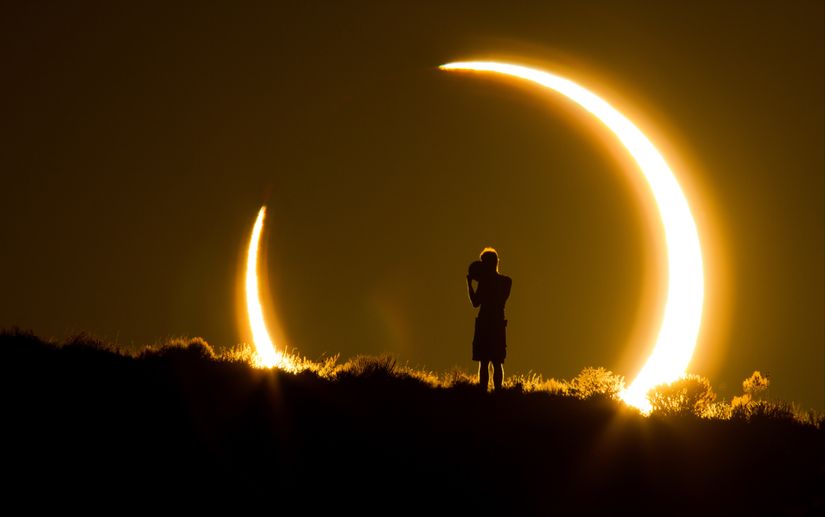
pixel 185 423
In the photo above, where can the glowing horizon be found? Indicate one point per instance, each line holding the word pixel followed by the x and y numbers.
pixel 267 354
pixel 679 328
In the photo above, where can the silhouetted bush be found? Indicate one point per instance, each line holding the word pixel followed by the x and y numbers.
pixel 753 389
pixel 368 366
pixel 718 410
pixel 534 382
pixel 592 382
pixel 84 341
pixel 690 395
pixel 765 410
pixel 751 406
pixel 756 384
pixel 426 377
pixel 457 378
pixel 181 349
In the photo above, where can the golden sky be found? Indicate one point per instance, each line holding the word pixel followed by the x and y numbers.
pixel 139 142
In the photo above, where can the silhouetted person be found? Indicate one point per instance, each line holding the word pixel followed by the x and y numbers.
pixel 490 339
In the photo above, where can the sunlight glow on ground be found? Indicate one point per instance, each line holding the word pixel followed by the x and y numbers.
pixel 683 307
pixel 267 355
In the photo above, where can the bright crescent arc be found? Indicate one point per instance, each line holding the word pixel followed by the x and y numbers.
pixel 267 355
pixel 682 317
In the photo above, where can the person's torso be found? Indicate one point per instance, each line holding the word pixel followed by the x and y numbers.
pixel 493 293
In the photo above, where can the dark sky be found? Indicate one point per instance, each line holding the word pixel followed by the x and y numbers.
pixel 139 141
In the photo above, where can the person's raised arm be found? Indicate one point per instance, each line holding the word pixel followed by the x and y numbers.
pixel 472 292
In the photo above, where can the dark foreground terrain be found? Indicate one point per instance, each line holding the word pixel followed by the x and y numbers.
pixel 85 427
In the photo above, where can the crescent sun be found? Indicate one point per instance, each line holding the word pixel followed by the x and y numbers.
pixel 682 315
pixel 267 355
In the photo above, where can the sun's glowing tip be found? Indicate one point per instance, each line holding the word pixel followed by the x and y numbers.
pixel 457 65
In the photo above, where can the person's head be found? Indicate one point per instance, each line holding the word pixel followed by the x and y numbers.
pixel 489 257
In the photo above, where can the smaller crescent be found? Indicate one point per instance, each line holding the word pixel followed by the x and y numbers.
pixel 267 355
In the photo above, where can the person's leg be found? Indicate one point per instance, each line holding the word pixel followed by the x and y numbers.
pixel 484 374
pixel 498 375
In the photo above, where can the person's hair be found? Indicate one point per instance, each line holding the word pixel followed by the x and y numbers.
pixel 489 256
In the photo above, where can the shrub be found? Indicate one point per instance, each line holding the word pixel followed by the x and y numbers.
pixel 326 368
pixel 762 410
pixel 369 366
pixel 457 377
pixel 242 353
pixel 717 411
pixel 591 382
pixel 690 395
pixel 534 382
pixel 755 385
pixel 426 377
pixel 87 342
pixel 812 418
pixel 181 349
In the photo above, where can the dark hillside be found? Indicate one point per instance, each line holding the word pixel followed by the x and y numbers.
pixel 82 423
